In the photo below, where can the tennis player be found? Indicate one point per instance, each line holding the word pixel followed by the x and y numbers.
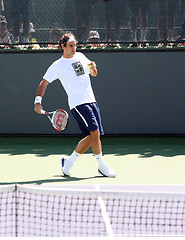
pixel 73 70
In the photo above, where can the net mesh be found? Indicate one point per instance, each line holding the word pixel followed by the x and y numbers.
pixel 45 215
pixel 7 212
pixel 31 211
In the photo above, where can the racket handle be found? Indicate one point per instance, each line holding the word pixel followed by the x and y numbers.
pixel 43 112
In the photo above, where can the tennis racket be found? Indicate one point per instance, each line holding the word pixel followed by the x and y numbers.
pixel 59 118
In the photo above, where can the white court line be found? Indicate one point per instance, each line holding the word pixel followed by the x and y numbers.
pixel 105 215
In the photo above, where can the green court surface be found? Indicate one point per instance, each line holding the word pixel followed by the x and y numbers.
pixel 137 160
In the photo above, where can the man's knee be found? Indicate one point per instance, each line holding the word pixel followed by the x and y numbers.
pixel 95 134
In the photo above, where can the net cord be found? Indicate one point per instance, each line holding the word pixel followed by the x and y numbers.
pixel 8 188
pixel 95 193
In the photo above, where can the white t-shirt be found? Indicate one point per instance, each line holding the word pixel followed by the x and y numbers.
pixel 74 76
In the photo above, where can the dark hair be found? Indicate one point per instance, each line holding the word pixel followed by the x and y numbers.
pixel 64 39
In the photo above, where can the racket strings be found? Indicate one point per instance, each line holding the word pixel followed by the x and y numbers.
pixel 60 119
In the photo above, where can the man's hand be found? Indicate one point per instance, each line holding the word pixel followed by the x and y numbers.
pixel 38 107
pixel 93 69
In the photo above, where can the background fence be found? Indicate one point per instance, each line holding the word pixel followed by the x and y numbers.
pixel 123 20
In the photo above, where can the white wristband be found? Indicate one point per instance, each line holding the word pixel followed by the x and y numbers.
pixel 38 99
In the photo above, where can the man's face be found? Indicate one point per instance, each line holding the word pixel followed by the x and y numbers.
pixel 70 49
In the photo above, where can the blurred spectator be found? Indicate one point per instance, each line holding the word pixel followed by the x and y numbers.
pixel 5 35
pixel 182 33
pixel 114 13
pixel 181 37
pixel 94 38
pixel 82 18
pixel 21 12
pixel 2 6
pixel 169 7
pixel 31 30
pixel 139 8
pixel 55 35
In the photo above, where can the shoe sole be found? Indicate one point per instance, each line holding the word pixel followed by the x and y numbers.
pixel 104 174
pixel 62 163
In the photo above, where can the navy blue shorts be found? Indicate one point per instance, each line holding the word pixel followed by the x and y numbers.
pixel 88 118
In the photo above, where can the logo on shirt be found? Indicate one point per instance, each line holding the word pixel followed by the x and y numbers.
pixel 79 70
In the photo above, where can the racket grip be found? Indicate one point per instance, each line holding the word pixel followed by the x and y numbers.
pixel 43 112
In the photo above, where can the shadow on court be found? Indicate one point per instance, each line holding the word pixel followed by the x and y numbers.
pixel 62 179
pixel 49 145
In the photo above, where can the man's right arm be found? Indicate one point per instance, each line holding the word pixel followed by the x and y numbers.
pixel 39 95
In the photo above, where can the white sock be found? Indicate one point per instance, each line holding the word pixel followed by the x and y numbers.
pixel 99 158
pixel 73 157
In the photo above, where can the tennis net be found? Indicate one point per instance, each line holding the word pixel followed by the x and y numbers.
pixel 42 212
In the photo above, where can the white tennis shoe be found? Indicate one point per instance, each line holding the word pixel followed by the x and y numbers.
pixel 106 171
pixel 66 166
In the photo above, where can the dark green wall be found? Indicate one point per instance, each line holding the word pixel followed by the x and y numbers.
pixel 138 92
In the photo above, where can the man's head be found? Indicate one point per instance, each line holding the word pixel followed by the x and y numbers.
pixel 66 38
pixel 68 44
pixel 94 36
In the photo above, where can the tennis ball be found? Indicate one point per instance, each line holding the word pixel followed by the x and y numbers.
pixel 90 66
